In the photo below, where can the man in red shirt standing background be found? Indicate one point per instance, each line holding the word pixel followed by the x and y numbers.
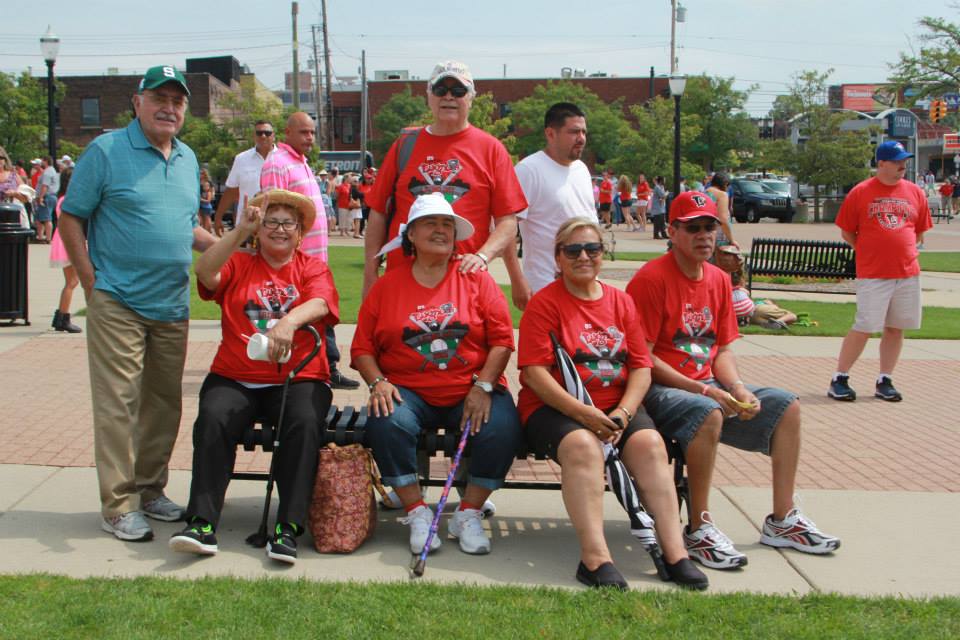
pixel 884 219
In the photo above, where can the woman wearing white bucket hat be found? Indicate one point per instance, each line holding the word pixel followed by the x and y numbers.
pixel 431 344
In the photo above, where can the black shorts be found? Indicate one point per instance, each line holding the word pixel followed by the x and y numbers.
pixel 604 206
pixel 546 427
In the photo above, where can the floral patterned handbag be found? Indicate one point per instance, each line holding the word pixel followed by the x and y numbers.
pixel 343 511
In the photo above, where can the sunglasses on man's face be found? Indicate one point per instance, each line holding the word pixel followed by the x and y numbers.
pixel 457 91
pixel 697 226
pixel 572 251
pixel 264 133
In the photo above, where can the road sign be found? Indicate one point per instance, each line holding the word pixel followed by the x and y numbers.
pixel 952 100
pixel 951 142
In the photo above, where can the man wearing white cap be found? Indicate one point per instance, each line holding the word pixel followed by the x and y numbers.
pixel 469 167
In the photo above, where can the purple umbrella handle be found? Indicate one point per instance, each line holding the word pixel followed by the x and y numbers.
pixel 420 561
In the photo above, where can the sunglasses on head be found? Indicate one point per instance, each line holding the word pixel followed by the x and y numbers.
pixel 572 251
pixel 695 227
pixel 264 133
pixel 457 91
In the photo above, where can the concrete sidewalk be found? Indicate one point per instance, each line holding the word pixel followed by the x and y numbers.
pixel 884 477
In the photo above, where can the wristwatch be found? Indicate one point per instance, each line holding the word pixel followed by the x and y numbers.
pixel 484 386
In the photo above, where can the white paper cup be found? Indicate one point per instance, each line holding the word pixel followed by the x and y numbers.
pixel 257 348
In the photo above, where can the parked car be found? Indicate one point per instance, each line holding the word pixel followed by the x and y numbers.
pixel 753 200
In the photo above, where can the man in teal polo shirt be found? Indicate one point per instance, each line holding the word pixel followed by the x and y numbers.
pixel 138 190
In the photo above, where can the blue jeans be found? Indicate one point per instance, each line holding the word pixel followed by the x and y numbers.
pixel 393 438
pixel 679 414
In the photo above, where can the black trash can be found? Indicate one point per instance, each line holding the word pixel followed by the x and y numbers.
pixel 14 246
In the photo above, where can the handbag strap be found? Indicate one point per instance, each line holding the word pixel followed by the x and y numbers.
pixel 371 469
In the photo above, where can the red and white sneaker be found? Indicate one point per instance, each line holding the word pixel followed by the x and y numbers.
pixel 797 531
pixel 711 547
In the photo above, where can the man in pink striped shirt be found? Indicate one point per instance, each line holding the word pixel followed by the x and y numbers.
pixel 288 169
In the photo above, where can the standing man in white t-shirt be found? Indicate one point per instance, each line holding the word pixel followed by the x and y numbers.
pixel 557 186
pixel 244 180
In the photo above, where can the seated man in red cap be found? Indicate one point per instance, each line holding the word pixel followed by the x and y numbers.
pixel 697 397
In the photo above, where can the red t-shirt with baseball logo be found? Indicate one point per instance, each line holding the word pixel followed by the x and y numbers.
pixel 606 191
pixel 252 297
pixel 600 335
pixel 471 169
pixel 686 320
pixel 886 219
pixel 432 341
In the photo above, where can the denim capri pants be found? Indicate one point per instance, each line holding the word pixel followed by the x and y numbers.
pixel 393 438
pixel 678 414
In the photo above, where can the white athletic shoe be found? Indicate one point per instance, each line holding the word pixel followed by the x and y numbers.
pixel 419 520
pixel 465 526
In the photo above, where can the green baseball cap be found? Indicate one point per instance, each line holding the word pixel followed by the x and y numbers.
pixel 160 75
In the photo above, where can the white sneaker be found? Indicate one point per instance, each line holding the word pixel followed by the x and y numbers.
pixel 711 547
pixel 465 525
pixel 130 526
pixel 420 520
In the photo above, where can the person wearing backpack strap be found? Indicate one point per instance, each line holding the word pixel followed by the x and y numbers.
pixel 468 166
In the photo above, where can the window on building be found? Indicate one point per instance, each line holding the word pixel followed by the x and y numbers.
pixel 346 130
pixel 90 112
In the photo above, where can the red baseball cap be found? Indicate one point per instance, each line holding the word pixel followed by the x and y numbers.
pixel 692 204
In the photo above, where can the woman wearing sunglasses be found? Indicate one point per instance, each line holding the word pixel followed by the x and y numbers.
pixel 273 292
pixel 597 326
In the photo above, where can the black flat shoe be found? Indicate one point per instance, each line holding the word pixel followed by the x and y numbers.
pixel 686 574
pixel 606 575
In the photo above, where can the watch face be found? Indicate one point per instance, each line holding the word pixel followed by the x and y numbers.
pixel 486 386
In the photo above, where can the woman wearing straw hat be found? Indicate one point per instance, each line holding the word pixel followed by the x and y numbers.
pixel 431 344
pixel 597 325
pixel 273 292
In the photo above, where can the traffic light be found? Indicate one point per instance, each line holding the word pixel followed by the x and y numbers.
pixel 938 110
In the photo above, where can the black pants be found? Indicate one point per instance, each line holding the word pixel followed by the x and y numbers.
pixel 227 408
pixel 659 226
pixel 333 352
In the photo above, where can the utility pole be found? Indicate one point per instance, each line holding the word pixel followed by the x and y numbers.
pixel 296 60
pixel 331 144
pixel 319 104
pixel 363 109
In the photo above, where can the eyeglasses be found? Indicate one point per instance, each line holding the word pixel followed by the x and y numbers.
pixel 709 227
pixel 264 133
pixel 572 251
pixel 457 91
pixel 273 224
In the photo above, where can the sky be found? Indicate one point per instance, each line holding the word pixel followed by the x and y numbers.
pixel 760 43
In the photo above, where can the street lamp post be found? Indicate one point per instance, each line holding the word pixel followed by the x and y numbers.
pixel 677 85
pixel 49 46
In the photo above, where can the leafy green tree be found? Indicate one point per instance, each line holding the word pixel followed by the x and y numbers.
pixel 649 148
pixel 936 65
pixel 606 123
pixel 402 110
pixel 23 115
pixel 725 128
pixel 483 115
pixel 826 156
pixel 214 144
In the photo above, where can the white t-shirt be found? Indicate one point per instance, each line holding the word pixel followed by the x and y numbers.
pixel 245 174
pixel 51 179
pixel 555 193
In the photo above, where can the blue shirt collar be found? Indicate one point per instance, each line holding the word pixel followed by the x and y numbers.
pixel 139 140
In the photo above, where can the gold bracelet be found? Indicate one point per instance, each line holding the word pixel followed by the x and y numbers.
pixel 626 413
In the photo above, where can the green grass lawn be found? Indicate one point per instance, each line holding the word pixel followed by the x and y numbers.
pixel 948 261
pixel 834 318
pixel 43 606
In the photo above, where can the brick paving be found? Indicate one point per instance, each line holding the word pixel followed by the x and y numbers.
pixel 868 445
